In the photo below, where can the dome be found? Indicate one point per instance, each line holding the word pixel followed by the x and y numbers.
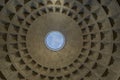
pixel 59 40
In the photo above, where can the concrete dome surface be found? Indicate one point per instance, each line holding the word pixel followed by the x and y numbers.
pixel 86 46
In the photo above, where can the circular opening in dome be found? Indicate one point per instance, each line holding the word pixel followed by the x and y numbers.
pixel 55 40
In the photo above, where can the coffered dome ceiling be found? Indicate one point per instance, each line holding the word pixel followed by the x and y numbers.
pixel 91 32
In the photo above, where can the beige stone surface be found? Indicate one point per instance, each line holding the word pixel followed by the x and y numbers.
pixel 92 33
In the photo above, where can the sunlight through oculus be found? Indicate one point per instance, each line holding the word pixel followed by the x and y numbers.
pixel 55 40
